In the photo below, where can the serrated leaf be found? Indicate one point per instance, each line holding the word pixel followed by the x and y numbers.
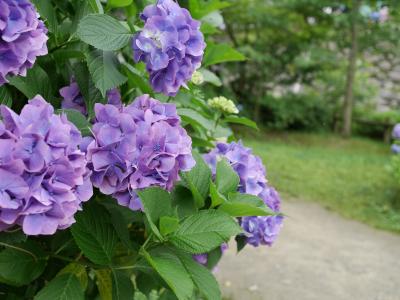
pixel 137 79
pixel 216 197
pixel 156 203
pixel 219 53
pixel 96 6
pixel 240 205
pixel 210 77
pixel 226 178
pixel 22 263
pixel 194 117
pixel 204 231
pixel 79 120
pixel 198 180
pixel 241 120
pixel 78 270
pixel 104 283
pixel 201 277
pixel 103 32
pixel 36 82
pixel 168 225
pixel 103 66
pixel 119 3
pixel 94 234
pixel 122 287
pixel 171 269
pixel 63 287
pixel 5 96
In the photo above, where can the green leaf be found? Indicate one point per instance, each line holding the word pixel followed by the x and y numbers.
pixel 47 13
pixel 168 224
pixel 122 287
pixel 5 96
pixel 198 180
pixel 103 66
pixel 201 277
pixel 36 82
pixel 119 3
pixel 78 270
pixel 204 231
pixel 156 203
pixel 216 197
pixel 171 269
pixel 21 263
pixel 210 77
pixel 226 178
pixel 241 120
pixel 63 287
pixel 104 283
pixel 192 116
pixel 139 296
pixel 240 205
pixel 219 53
pixel 90 93
pixel 78 120
pixel 183 201
pixel 137 79
pixel 103 32
pixel 94 234
pixel 13 237
pixel 96 6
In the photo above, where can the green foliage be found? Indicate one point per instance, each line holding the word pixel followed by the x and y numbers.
pixel 63 287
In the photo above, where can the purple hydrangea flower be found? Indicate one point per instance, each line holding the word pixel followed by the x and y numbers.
pixel 43 174
pixel 395 148
pixel 22 37
pixel 73 99
pixel 252 174
pixel 137 146
pixel 396 132
pixel 171 44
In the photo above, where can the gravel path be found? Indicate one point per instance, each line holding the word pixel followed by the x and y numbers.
pixel 319 255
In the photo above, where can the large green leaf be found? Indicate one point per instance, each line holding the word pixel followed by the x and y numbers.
pixel 198 180
pixel 210 77
pixel 119 3
pixel 201 277
pixel 226 178
pixel 96 6
pixel 5 96
pixel 122 287
pixel 22 263
pixel 219 53
pixel 103 66
pixel 94 233
pixel 137 79
pixel 156 203
pixel 78 270
pixel 240 205
pixel 194 117
pixel 171 269
pixel 104 283
pixel 36 82
pixel 204 231
pixel 103 32
pixel 47 13
pixel 241 120
pixel 63 287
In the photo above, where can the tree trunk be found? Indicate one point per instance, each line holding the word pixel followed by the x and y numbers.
pixel 351 71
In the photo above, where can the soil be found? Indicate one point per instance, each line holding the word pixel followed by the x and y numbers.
pixel 318 255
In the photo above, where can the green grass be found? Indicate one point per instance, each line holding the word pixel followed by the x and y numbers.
pixel 351 177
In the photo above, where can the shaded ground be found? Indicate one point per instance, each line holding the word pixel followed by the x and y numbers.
pixel 319 255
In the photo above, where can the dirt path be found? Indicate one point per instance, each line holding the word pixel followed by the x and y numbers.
pixel 319 255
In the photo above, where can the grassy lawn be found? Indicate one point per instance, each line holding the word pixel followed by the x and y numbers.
pixel 347 176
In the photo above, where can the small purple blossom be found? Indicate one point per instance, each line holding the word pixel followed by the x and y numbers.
pixel 252 174
pixel 395 148
pixel 171 44
pixel 203 258
pixel 22 38
pixel 73 99
pixel 43 174
pixel 137 146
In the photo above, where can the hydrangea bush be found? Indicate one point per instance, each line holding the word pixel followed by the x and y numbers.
pixel 114 182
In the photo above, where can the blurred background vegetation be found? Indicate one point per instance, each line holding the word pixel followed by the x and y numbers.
pixel 322 80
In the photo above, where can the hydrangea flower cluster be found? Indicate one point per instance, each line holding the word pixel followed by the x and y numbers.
pixel 43 172
pixel 171 44
pixel 22 37
pixel 73 99
pixel 223 104
pixel 137 146
pixel 259 230
pixel 396 136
